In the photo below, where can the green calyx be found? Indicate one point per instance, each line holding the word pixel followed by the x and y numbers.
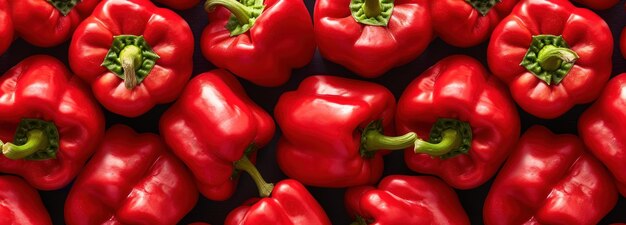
pixel 483 6
pixel 373 139
pixel 372 12
pixel 64 6
pixel 130 58
pixel 244 13
pixel 448 138
pixel 34 140
pixel 244 164
pixel 549 58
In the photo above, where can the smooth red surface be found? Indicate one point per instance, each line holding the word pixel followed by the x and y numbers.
pixel 598 4
pixel 41 87
pixel 585 33
pixel 370 51
pixel 41 24
pixel 289 204
pixel 210 127
pixel 6 26
pixel 603 129
pixel 322 122
pixel 550 179
pixel 20 203
pixel 165 31
pixel 179 4
pixel 459 24
pixel 403 199
pixel 132 179
pixel 281 39
pixel 459 87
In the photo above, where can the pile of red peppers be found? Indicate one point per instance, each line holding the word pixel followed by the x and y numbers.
pixel 312 112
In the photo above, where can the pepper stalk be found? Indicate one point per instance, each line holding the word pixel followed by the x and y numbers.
pixel 244 164
pixel 448 138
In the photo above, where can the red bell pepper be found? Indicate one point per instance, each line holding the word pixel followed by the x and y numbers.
pixel 132 179
pixel 133 54
pixel 550 179
pixel 260 41
pixel 551 63
pixel 405 200
pixel 603 129
pixel 465 23
pixel 458 96
pixel 20 203
pixel 598 4
pixel 179 4
pixel 212 125
pixel 332 128
pixel 47 23
pixel 6 26
pixel 369 37
pixel 286 203
pixel 53 122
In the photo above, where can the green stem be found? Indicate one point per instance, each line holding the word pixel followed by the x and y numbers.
pixel 374 140
pixel 37 141
pixel 372 8
pixel 265 189
pixel 241 12
pixel 131 58
pixel 551 57
pixel 450 141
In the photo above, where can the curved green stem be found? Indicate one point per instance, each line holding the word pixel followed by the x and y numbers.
pixel 131 59
pixel 372 8
pixel 374 140
pixel 450 141
pixel 37 141
pixel 265 189
pixel 241 12
pixel 551 57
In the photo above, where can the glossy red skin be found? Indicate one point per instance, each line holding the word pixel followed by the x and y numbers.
pixel 132 179
pixel 459 87
pixel 209 128
pixel 179 4
pixel 585 33
pixel 6 26
pixel 41 24
pixel 370 51
pixel 406 200
pixel 41 87
pixel 459 24
pixel 289 204
pixel 602 128
pixel 550 179
pixel 322 122
pixel 598 4
pixel 622 43
pixel 166 32
pixel 20 203
pixel 281 39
